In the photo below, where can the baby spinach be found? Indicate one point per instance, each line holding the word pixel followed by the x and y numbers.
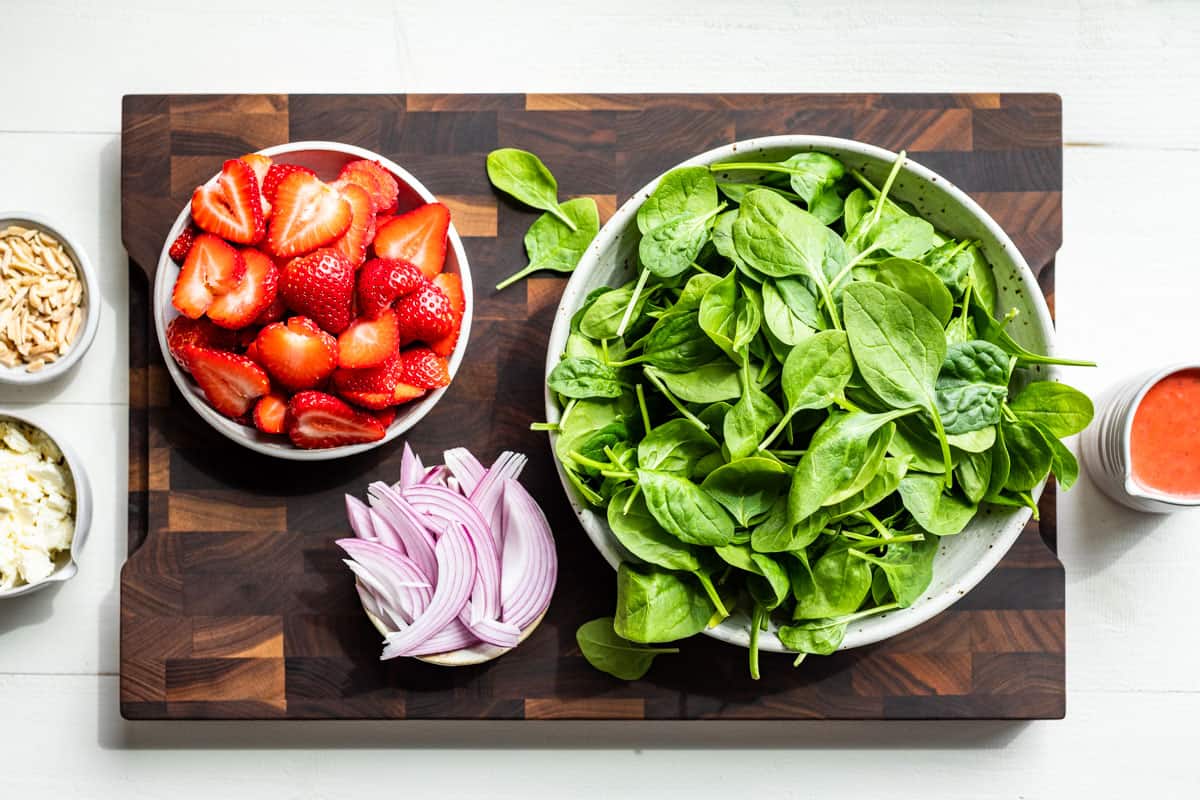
pixel 684 509
pixel 523 175
pixel 676 343
pixel 750 418
pixel 1029 455
pixel 819 637
pixel 583 378
pixel 1055 407
pixel 605 650
pixel 676 446
pixel 655 606
pixel 935 510
pixel 708 383
pixel 837 585
pixel 972 385
pixel 814 375
pixel 747 487
pixel 920 283
pixel 603 316
pixel 553 245
pixel 683 192
pixel 908 568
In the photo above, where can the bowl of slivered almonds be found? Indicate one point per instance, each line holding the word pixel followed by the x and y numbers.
pixel 49 301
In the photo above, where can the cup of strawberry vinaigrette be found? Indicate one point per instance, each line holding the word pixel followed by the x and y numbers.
pixel 1143 450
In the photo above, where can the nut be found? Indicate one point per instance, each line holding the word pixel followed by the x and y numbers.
pixel 41 298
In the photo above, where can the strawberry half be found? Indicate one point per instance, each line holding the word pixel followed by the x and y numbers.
pixel 354 241
pixel 212 267
pixel 381 281
pixel 404 392
pixel 256 290
pixel 183 243
pixel 321 286
pixel 379 183
pixel 297 354
pixel 369 342
pixel 262 166
pixel 184 332
pixel 231 383
pixel 451 286
pixel 424 315
pixel 418 236
pixel 308 214
pixel 230 205
pixel 424 369
pixel 373 387
pixel 318 420
pixel 274 311
pixel 386 416
pixel 277 173
pixel 270 412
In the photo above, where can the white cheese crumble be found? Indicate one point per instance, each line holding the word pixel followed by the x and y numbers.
pixel 37 504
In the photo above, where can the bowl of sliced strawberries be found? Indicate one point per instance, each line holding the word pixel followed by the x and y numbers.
pixel 313 300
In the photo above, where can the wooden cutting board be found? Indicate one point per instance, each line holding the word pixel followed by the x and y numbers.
pixel 234 602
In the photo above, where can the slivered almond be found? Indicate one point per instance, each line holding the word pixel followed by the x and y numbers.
pixel 41 298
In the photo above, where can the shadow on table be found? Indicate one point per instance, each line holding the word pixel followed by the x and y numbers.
pixel 27 609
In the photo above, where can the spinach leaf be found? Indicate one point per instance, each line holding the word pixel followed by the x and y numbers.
pixel 1055 407
pixel 676 446
pixel 916 442
pixel 750 418
pixel 608 652
pixel 776 534
pixel 1029 455
pixel 684 509
pixel 737 192
pixel 972 385
pixel 814 375
pixel 676 343
pixel 656 606
pixel 603 316
pixel 884 482
pixel 920 283
pixel 800 301
pixel 988 328
pixel 683 192
pixel 820 637
pixel 671 248
pixel 773 590
pixel 552 245
pixel 1062 461
pixel 583 378
pixel 708 383
pixel 747 487
pixel 973 441
pixel 781 320
pixel 908 568
pixel 522 175
pixel 693 291
pixel 837 585
pixel 877 447
pixel 974 471
pixel 934 510
pixel 639 533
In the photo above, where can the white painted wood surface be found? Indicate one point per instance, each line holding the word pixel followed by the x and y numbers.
pixel 1128 283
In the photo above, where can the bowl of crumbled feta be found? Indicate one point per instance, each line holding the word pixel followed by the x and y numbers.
pixel 45 507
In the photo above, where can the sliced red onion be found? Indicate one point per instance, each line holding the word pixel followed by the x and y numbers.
pixel 411 468
pixel 486 494
pixel 435 476
pixel 527 583
pixel 407 524
pixel 456 570
pixel 465 467
pixel 360 518
pixel 396 578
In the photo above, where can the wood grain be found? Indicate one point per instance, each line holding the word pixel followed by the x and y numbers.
pixel 234 601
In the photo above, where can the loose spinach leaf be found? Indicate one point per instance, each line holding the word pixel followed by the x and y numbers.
pixel 935 510
pixel 655 606
pixel 972 385
pixel 583 378
pixel 552 245
pixel 1056 407
pixel 747 487
pixel 684 509
pixel 523 175
pixel 605 650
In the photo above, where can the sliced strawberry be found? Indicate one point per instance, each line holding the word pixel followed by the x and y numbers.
pixel 270 412
pixel 369 342
pixel 212 267
pixel 378 182
pixel 386 416
pixel 231 383
pixel 373 401
pixel 246 337
pixel 424 315
pixel 257 290
pixel 354 241
pixel 418 236
pixel 183 243
pixel 261 165
pixel 277 173
pixel 251 352
pixel 444 346
pixel 230 205
pixel 308 214
pixel 274 311
pixel 404 392
pixel 381 281
pixel 372 387
pixel 451 286
pixel 424 369
pixel 321 286
pixel 297 354
pixel 184 332
pixel 318 420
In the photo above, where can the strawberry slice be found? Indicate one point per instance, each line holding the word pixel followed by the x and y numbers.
pixel 277 173
pixel 297 354
pixel 308 214
pixel 381 281
pixel 212 267
pixel 262 166
pixel 424 369
pixel 378 182
pixel 183 243
pixel 184 332
pixel 274 311
pixel 257 290
pixel 354 241
pixel 386 416
pixel 230 204
pixel 425 315
pixel 369 342
pixel 231 383
pixel 318 420
pixel 372 387
pixel 451 286
pixel 251 352
pixel 270 412
pixel 404 392
pixel 418 236
pixel 321 286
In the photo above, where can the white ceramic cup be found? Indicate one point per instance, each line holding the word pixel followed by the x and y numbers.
pixel 1105 445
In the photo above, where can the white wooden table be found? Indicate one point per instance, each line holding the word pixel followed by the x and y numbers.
pixel 1128 283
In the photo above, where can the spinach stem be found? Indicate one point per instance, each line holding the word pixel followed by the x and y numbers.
pixel 563 218
pixel 870 542
pixel 637 292
pixel 875 523
pixel 851 264
pixel 799 660
pixel 755 626
pixel 757 166
pixel 584 461
pixel 589 494
pixel 1009 414
pixel 516 276
pixel 632 496
pixel 699 268
pixel 641 398
pixel 675 402
pixel 620 475
pixel 562 421
pixel 827 299
pixel 543 426
pixel 778 429
pixel 788 453
pixel 711 591
pixel 945 445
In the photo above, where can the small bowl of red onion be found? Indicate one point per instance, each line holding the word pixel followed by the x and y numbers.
pixel 454 564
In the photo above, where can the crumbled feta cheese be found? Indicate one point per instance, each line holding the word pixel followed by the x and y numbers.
pixel 37 505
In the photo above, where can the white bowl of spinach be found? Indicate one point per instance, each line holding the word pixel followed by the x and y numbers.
pixel 798 395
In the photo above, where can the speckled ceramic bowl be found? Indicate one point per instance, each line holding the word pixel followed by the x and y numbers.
pixel 963 560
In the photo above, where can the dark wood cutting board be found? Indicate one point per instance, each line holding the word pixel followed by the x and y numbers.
pixel 234 602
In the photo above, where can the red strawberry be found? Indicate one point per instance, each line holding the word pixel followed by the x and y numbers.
pixel 183 333
pixel 424 369
pixel 418 236
pixel 230 204
pixel 425 315
pixel 297 354
pixel 372 387
pixel 269 413
pixel 212 267
pixel 231 383
pixel 308 214
pixel 274 311
pixel 321 286
pixel 381 281
pixel 451 285
pixel 277 173
pixel 405 392
pixel 378 182
pixel 251 352
pixel 354 241
pixel 183 243
pixel 386 416
pixel 257 290
pixel 261 165
pixel 316 420
pixel 368 342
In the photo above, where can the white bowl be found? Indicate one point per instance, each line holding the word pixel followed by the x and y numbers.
pixel 66 564
pixel 326 159
pixel 89 302
pixel 962 560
